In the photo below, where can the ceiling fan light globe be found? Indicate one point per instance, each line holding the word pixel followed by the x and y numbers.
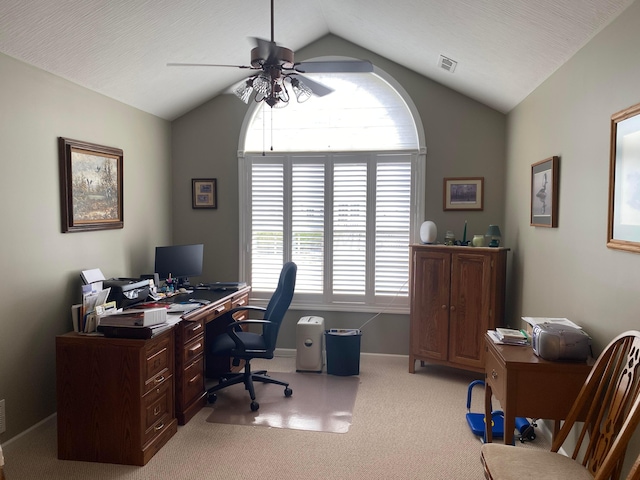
pixel 262 85
pixel 244 91
pixel 301 91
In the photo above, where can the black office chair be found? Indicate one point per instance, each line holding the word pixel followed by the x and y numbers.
pixel 241 345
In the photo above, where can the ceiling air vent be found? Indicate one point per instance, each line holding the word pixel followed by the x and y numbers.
pixel 447 64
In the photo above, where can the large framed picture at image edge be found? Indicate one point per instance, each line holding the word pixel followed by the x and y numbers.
pixel 544 192
pixel 623 232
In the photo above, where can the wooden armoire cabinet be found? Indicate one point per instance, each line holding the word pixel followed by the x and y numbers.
pixel 456 295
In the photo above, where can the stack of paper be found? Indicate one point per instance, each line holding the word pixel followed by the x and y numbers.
pixel 511 336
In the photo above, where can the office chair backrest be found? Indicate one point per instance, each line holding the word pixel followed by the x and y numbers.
pixel 610 399
pixel 279 303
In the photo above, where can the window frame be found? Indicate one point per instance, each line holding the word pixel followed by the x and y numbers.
pixel 367 303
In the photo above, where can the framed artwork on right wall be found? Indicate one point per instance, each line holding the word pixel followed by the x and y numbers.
pixel 623 232
pixel 544 192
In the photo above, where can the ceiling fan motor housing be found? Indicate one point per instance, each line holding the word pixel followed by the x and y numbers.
pixel 284 58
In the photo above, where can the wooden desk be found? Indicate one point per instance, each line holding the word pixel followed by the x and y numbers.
pixel 115 397
pixel 120 399
pixel 529 386
pixel 192 364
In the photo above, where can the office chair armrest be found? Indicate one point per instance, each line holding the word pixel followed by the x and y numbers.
pixel 232 328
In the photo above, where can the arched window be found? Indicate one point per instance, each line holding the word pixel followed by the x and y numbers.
pixel 333 184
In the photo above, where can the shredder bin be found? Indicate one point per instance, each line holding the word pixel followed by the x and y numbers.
pixel 343 352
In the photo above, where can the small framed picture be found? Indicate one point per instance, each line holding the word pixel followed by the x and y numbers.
pixel 544 193
pixel 463 193
pixel 204 193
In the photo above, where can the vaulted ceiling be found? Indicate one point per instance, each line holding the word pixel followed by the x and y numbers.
pixel 504 49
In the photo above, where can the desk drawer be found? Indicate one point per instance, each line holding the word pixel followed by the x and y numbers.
pixel 193 349
pixel 496 375
pixel 157 364
pixel 193 381
pixel 157 410
pixel 219 310
pixel 190 330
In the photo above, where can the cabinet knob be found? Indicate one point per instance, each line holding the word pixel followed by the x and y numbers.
pixel 444 307
pixel 494 374
pixel 452 308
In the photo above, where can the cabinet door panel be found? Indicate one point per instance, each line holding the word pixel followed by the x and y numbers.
pixel 430 304
pixel 470 307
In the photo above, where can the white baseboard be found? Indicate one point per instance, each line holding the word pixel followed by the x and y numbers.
pixel 30 429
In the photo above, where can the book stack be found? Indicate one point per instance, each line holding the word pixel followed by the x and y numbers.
pixel 138 323
pixel 511 336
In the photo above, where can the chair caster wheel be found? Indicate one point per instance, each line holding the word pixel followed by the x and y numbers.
pixel 288 392
pixel 212 397
pixel 255 406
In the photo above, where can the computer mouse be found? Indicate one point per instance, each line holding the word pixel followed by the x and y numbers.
pixel 183 290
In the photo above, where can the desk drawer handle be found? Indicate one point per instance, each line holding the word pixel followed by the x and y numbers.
pixel 194 379
pixel 160 379
pixel 494 374
pixel 195 349
pixel 159 427
pixel 156 410
pixel 197 326
pixel 241 302
pixel 221 309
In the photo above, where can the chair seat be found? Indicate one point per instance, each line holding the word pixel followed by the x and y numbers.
pixel 506 462
pixel 253 342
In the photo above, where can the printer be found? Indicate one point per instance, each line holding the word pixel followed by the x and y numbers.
pixel 552 341
pixel 127 291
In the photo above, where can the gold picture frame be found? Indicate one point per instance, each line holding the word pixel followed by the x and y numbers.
pixel 204 193
pixel 91 179
pixel 544 193
pixel 463 193
pixel 623 232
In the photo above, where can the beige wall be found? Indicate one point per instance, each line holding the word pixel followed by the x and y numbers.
pixel 39 264
pixel 568 271
pixel 463 138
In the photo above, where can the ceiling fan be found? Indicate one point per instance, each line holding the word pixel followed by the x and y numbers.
pixel 276 68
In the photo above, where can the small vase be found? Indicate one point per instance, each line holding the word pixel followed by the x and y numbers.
pixel 428 232
pixel 478 241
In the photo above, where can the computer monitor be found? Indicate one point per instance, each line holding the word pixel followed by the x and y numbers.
pixel 181 261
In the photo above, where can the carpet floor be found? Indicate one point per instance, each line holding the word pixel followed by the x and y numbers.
pixel 320 403
pixel 404 427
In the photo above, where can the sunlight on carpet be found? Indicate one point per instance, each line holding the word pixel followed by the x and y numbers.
pixel 321 403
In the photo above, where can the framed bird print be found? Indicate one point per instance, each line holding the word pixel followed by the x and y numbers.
pixel 544 193
pixel 90 186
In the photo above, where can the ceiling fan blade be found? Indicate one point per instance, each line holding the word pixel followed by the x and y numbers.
pixel 316 87
pixel 336 66
pixel 207 65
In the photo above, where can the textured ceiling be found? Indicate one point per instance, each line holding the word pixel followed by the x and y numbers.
pixel 120 48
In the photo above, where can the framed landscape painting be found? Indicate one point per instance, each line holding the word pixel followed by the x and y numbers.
pixel 463 193
pixel 90 186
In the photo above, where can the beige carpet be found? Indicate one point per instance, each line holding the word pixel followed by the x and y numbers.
pixel 405 427
pixel 320 403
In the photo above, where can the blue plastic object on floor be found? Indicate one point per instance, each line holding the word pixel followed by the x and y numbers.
pixel 476 420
